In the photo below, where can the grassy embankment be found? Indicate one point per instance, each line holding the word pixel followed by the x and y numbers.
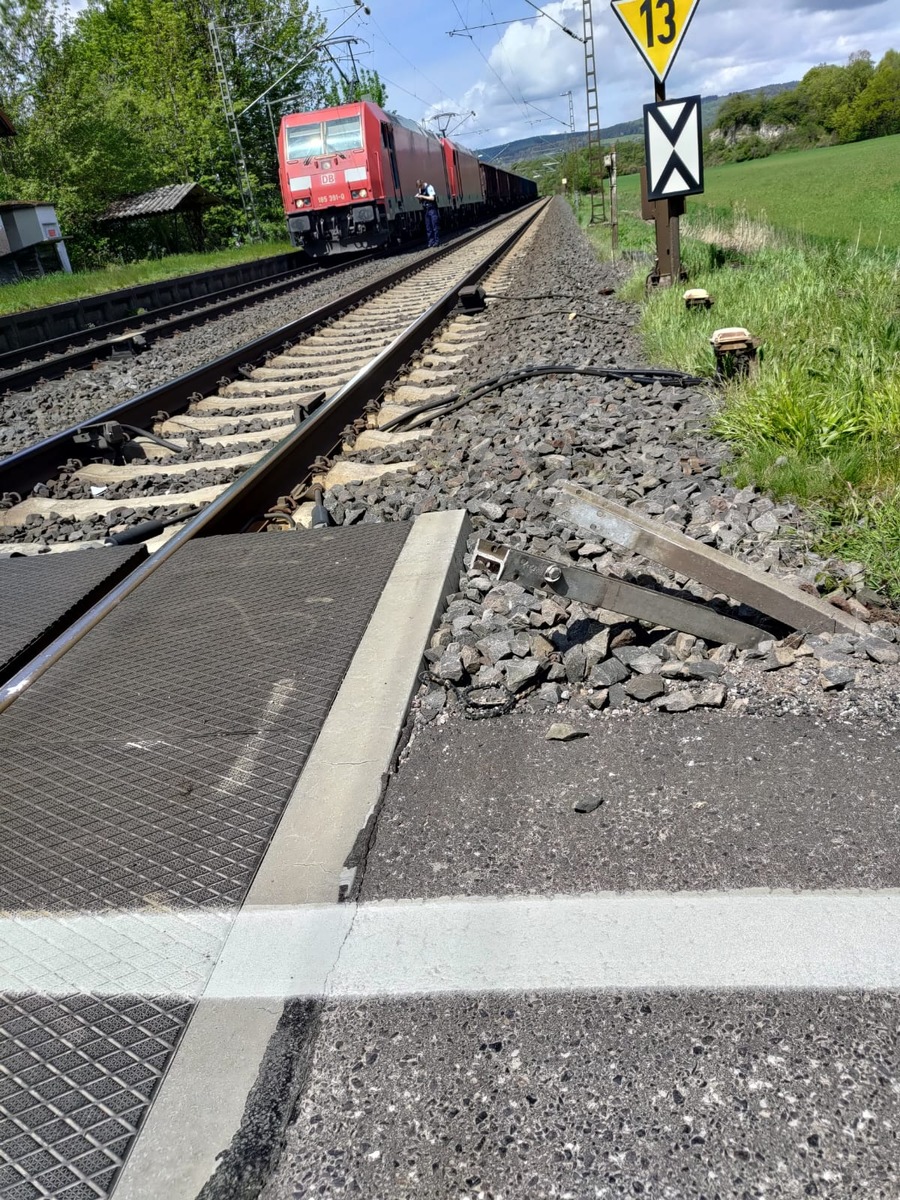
pixel 811 243
pixel 59 287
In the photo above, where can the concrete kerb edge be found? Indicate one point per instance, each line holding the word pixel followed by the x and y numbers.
pixel 201 1101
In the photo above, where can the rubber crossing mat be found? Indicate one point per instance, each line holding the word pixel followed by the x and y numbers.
pixel 40 594
pixel 146 772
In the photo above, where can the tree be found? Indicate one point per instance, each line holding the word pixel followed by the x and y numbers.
pixel 875 112
pixel 366 85
pixel 860 70
pixel 126 98
pixel 28 39
pixel 741 111
pixel 827 88
pixel 788 108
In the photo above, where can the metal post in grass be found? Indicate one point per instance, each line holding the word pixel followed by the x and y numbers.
pixel 613 202
pixel 668 232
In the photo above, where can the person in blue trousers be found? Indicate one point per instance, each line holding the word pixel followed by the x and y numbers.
pixel 427 196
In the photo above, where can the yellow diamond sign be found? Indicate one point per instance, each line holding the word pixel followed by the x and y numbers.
pixel 656 27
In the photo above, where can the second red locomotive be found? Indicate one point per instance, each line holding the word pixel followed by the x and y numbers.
pixel 349 176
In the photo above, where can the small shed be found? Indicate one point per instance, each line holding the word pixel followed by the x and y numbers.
pixel 6 126
pixel 160 211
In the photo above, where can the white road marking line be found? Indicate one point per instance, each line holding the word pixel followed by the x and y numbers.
pixel 741 939
pixel 148 952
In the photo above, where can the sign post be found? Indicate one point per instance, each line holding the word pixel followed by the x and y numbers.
pixel 657 28
pixel 609 162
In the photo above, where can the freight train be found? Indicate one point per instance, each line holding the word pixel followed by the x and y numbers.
pixel 349 177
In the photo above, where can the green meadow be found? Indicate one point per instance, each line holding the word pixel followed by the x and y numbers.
pixel 60 287
pixel 850 193
pixel 804 251
pixel 847 193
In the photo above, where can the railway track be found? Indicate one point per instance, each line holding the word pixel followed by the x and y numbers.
pixel 660 930
pixel 236 444
pixel 22 367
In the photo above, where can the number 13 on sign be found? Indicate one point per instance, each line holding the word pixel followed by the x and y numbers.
pixel 656 27
pixel 646 11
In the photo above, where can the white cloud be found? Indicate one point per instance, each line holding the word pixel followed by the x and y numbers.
pixel 730 45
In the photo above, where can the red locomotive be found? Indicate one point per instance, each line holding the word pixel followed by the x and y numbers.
pixel 349 176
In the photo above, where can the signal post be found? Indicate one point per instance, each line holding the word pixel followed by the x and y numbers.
pixel 672 129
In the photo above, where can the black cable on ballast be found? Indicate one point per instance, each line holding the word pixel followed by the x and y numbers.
pixel 133 429
pixel 153 437
pixel 450 404
pixel 142 532
pixel 545 296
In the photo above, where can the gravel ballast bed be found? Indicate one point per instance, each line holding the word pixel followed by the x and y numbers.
pixel 645 445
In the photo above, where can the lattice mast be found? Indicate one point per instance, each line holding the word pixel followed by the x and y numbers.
pixel 237 149
pixel 594 147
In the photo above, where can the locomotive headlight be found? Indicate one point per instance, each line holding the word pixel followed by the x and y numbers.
pixel 358 194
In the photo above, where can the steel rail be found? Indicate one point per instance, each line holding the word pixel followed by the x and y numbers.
pixel 109 339
pixel 112 337
pixel 282 468
pixel 35 464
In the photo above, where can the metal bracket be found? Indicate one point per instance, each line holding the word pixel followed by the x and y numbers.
pixel 615 595
pixel 472 299
pixel 109 437
pixel 127 345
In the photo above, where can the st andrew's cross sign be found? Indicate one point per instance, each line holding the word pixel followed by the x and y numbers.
pixel 673 144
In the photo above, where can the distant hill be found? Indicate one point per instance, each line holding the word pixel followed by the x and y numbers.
pixel 550 144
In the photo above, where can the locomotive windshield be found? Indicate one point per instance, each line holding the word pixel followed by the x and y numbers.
pixel 305 141
pixel 345 133
pixel 324 137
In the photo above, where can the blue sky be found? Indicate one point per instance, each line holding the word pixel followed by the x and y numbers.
pixel 512 75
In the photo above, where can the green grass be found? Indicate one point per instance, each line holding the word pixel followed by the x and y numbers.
pixel 868 531
pixel 820 422
pixel 59 287
pixel 849 193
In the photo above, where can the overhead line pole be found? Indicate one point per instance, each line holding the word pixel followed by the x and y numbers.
pixel 572 165
pixel 244 185
pixel 594 147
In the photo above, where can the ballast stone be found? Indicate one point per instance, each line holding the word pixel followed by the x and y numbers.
pixel 520 672
pixel 645 687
